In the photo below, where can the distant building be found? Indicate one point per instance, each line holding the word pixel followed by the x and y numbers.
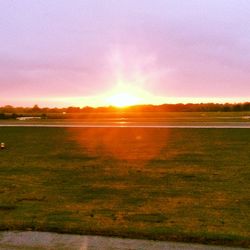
pixel 24 118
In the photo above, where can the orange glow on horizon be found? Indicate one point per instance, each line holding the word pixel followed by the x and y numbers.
pixel 123 95
pixel 123 99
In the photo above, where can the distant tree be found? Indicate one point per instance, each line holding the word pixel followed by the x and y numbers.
pixel 14 115
pixel 237 107
pixel 8 109
pixel 246 106
pixel 3 116
pixel 44 116
pixel 35 109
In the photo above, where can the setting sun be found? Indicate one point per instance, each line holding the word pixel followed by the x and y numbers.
pixel 123 99
pixel 123 95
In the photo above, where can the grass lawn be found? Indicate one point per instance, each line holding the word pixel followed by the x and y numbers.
pixel 166 184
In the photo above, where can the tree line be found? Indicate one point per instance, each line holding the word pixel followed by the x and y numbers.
pixel 13 112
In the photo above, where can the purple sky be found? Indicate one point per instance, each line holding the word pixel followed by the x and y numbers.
pixel 53 52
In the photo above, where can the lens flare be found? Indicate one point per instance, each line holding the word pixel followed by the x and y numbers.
pixel 123 99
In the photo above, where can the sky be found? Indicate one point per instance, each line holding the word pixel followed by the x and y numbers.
pixel 85 52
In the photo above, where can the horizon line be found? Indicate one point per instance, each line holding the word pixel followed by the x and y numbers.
pixel 129 106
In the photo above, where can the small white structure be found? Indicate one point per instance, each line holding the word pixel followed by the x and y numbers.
pixel 25 118
pixel 2 145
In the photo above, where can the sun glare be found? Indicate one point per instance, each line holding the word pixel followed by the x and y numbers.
pixel 123 95
pixel 123 99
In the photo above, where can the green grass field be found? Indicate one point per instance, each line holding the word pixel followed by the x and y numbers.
pixel 166 184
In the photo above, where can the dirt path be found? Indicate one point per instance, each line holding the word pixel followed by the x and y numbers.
pixel 54 241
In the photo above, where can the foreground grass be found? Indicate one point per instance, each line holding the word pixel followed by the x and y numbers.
pixel 166 184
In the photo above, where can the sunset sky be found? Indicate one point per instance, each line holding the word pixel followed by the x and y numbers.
pixel 89 52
